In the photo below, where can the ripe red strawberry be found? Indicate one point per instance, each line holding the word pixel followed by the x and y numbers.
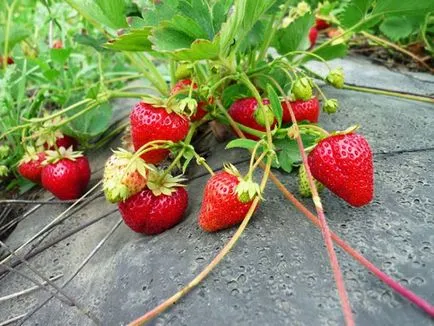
pixel 184 85
pixel 303 110
pixel 343 163
pixel 321 24
pixel 150 123
pixel 313 35
pixel 66 176
pixel 247 113
pixel 66 141
pixel 63 141
pixel 221 207
pixel 146 213
pixel 30 167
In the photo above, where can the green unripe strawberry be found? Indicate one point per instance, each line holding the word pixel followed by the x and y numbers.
pixel 336 78
pixel 302 89
pixel 261 116
pixel 331 106
pixel 303 183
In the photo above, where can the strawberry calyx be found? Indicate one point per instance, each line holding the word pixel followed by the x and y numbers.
pixel 161 183
pixel 347 131
pixel 31 154
pixel 49 133
pixel 61 153
pixel 246 189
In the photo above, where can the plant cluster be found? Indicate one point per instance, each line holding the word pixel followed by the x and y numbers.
pixel 238 64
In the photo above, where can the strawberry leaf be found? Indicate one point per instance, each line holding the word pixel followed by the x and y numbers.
pixel 329 52
pixel 276 106
pixel 245 15
pixel 159 11
pixel 233 93
pixel 241 143
pixel 16 35
pixel 133 40
pixel 294 36
pixel 288 154
pixel 401 7
pixel 396 27
pixel 91 123
pixel 110 13
pixel 353 12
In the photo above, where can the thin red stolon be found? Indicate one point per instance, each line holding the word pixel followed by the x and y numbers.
pixel 340 284
pixel 396 286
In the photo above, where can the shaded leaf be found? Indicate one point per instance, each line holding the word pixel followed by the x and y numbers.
pixel 233 93
pixel 90 124
pixel 133 40
pixel 87 40
pixel 329 52
pixel 276 106
pixel 294 36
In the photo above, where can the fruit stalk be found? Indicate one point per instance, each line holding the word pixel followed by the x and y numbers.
pixel 177 296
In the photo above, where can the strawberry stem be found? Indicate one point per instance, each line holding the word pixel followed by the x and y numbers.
pixel 377 91
pixel 345 303
pixel 406 293
pixel 403 291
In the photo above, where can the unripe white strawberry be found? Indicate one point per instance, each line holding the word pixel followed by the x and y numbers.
pixel 124 176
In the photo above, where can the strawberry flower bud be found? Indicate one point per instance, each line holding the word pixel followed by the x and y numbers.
pixel 331 106
pixel 336 78
pixel 302 89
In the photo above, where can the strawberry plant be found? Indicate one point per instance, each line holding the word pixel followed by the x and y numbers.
pixel 238 65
